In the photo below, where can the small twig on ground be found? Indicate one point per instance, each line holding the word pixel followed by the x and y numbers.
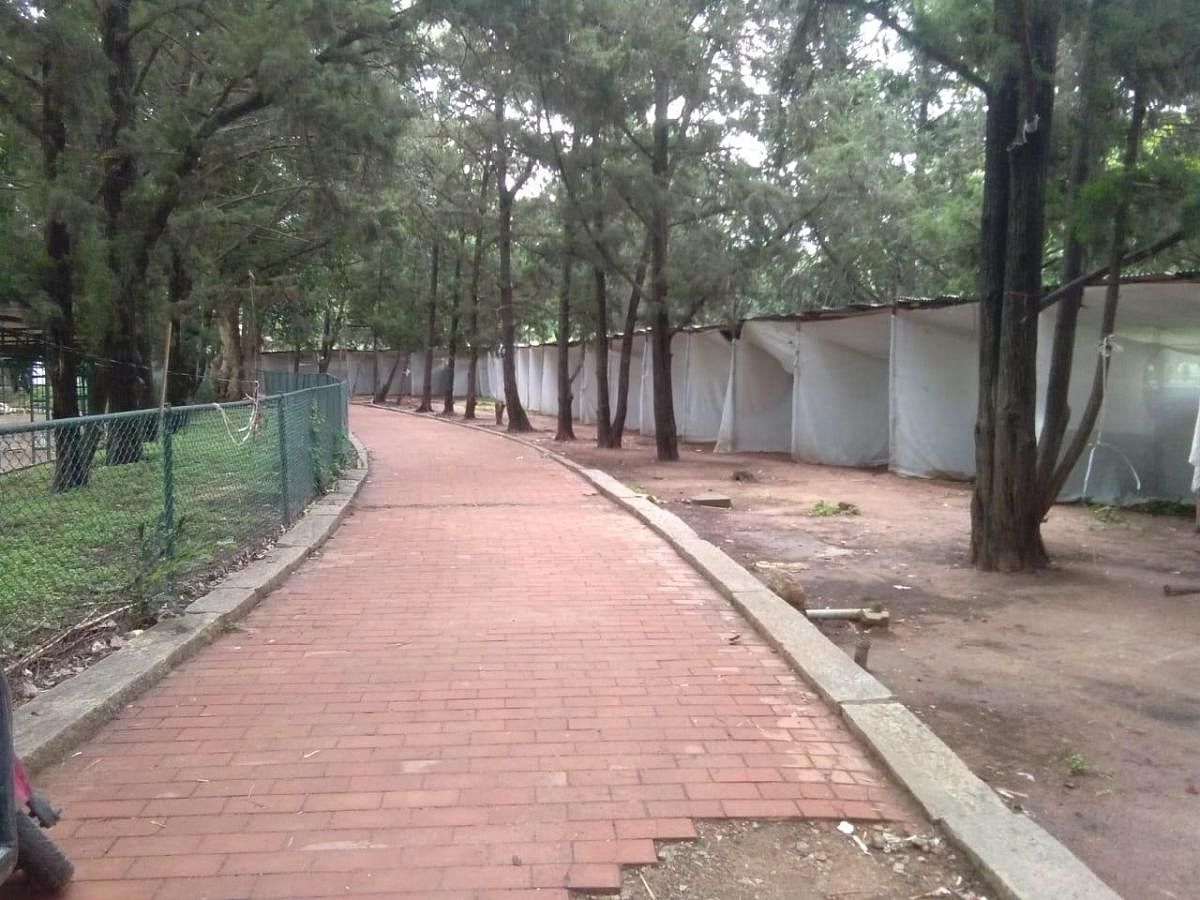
pixel 646 885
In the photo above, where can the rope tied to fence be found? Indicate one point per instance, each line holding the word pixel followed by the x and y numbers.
pixel 252 426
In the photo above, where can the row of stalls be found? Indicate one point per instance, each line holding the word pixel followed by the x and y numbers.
pixel 898 386
pixel 700 361
pixel 366 371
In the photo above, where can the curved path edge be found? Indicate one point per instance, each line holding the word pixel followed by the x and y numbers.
pixel 52 724
pixel 1017 857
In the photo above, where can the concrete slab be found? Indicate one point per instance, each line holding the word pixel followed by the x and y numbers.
pixel 834 675
pixel 665 523
pixel 268 573
pixel 311 531
pixel 1018 857
pixel 608 485
pixel 1023 862
pixel 717 501
pixel 227 602
pixel 938 779
pixel 717 566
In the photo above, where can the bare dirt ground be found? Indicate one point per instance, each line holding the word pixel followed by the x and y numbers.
pixel 801 861
pixel 1075 690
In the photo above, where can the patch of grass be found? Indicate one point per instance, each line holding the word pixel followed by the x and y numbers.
pixel 1077 763
pixel 1165 508
pixel 62 555
pixel 1106 514
pixel 824 509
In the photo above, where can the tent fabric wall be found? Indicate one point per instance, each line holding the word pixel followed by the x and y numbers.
pixel 495 376
pixel 549 394
pixel 700 362
pixel 934 391
pixel 1139 449
pixel 586 391
pixel 841 399
pixel 707 356
pixel 759 395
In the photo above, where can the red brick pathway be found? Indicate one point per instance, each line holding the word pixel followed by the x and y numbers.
pixel 490 684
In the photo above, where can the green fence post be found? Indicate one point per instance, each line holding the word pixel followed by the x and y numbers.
pixel 168 444
pixel 284 499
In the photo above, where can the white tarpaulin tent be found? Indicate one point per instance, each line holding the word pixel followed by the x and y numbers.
pixel 700 362
pixel 586 391
pixel 841 403
pixel 549 394
pixel 522 360
pixel 759 395
pixel 1140 446
pixel 814 387
pixel 934 390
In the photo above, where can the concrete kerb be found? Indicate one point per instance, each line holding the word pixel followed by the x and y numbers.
pixel 49 726
pixel 1019 858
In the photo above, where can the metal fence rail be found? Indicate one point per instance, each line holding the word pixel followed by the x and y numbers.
pixel 111 512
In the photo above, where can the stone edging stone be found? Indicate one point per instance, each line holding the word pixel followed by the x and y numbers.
pixel 49 726
pixel 1017 857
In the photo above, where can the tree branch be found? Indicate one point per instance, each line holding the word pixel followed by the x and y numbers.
pixel 161 13
pixel 1137 256
pixel 20 116
pixel 940 55
pixel 24 77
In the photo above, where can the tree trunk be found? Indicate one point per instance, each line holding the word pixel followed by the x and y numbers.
pixel 426 404
pixel 1112 293
pixel 229 373
pixel 627 335
pixel 381 392
pixel 329 330
pixel 404 367
pixel 452 340
pixel 665 438
pixel 181 367
pixel 1006 521
pixel 473 314
pixel 566 427
pixel 600 295
pixel 123 378
pixel 1057 414
pixel 252 339
pixel 517 419
pixel 74 447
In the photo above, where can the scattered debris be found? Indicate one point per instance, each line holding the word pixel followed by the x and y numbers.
pixel 868 617
pixel 783 584
pixel 713 499
pixel 862 648
pixel 845 827
pixel 1180 590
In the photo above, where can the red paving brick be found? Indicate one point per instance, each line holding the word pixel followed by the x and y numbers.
pixel 490 684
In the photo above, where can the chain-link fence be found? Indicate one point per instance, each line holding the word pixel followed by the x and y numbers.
pixel 102 514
